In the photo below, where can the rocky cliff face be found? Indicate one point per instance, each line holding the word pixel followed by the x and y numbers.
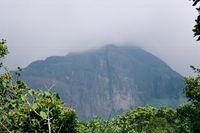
pixel 108 80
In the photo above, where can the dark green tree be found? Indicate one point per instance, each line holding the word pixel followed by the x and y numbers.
pixel 196 29
pixel 189 114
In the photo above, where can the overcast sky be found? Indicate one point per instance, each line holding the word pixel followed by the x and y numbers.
pixel 36 29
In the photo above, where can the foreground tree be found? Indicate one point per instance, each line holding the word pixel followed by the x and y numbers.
pixel 23 109
pixel 189 114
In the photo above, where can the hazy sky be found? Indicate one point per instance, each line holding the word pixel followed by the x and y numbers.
pixel 36 29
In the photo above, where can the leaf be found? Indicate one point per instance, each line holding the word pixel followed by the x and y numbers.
pixel 195 2
pixel 34 106
pixel 43 114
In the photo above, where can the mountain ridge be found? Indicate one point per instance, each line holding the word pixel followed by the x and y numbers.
pixel 111 78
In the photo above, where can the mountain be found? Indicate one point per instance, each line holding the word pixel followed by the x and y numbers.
pixel 108 80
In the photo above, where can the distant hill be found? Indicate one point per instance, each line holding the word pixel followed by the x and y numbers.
pixel 108 80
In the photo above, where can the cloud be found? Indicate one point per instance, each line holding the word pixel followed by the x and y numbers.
pixel 36 29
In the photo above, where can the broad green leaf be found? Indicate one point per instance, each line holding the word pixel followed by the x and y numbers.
pixel 34 106
pixel 43 115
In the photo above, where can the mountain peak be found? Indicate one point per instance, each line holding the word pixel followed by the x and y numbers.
pixel 113 77
pixel 110 46
pixel 113 46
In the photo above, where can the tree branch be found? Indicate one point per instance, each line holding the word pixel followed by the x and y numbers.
pixel 5 127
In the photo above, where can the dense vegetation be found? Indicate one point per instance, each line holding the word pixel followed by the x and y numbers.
pixel 23 109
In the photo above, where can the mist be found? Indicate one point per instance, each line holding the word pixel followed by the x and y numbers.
pixel 36 29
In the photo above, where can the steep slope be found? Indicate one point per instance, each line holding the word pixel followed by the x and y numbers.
pixel 111 79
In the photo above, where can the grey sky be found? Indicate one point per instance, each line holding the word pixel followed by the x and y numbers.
pixel 36 29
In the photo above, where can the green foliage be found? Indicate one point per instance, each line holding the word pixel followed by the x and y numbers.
pixel 100 125
pixel 184 114
pixel 27 110
pixel 196 29
pixel 149 120
pixel 3 48
pixel 23 109
pixel 189 115
pixel 189 118
pixel 192 89
pixel 164 121
pixel 140 120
